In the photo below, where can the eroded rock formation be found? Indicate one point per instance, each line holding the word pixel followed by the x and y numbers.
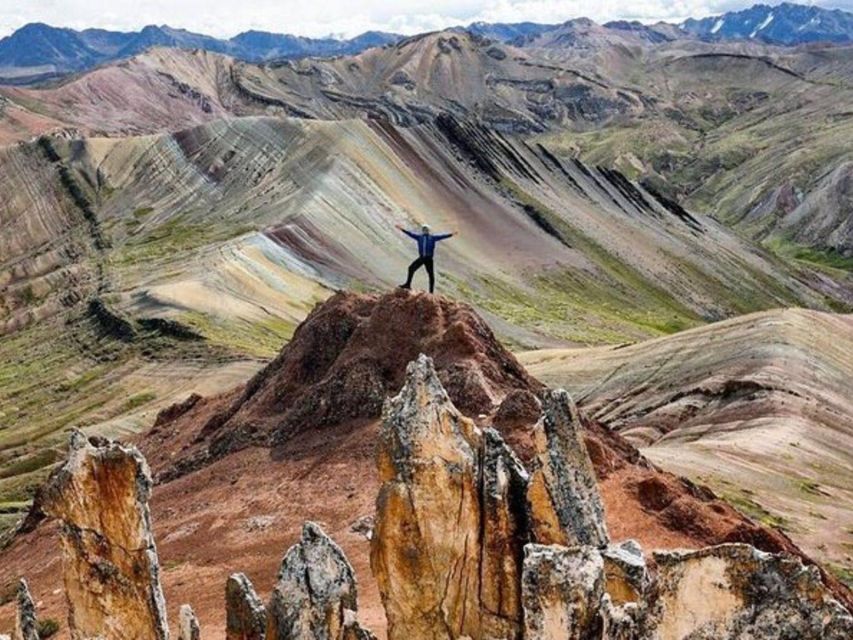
pixel 188 627
pixel 26 625
pixel 245 616
pixel 458 546
pixel 504 528
pixel 565 504
pixel 561 592
pixel 111 572
pixel 736 591
pixel 426 551
pixel 457 506
pixel 342 363
pixel 315 596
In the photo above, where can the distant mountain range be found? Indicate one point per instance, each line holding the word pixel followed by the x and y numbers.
pixel 783 24
pixel 38 51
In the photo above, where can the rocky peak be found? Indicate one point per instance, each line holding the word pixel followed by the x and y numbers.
pixel 316 595
pixel 111 572
pixel 245 616
pixel 563 486
pixel 343 361
pixel 26 625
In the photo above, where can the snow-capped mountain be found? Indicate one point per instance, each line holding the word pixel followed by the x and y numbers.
pixel 782 24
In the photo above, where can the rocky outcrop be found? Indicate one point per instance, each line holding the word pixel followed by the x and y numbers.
pixel 562 590
pixel 451 519
pixel 457 548
pixel 26 625
pixel 457 507
pixel 343 361
pixel 188 627
pixel 565 503
pixel 245 616
pixel 584 592
pixel 111 572
pixel 315 596
pixel 504 529
pixel 426 545
pixel 735 591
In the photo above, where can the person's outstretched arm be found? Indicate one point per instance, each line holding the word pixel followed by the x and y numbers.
pixel 411 234
pixel 445 236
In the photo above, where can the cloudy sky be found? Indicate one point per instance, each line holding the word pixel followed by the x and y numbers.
pixel 225 18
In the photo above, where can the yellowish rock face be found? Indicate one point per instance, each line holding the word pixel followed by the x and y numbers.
pixel 109 559
pixel 543 516
pixel 447 546
pixel 617 585
pixel 704 598
pixel 427 562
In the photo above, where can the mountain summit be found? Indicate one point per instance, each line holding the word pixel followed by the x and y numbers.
pixel 782 24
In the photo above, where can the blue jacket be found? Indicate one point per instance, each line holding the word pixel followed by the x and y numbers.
pixel 426 241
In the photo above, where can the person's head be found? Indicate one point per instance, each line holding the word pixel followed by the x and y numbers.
pixel 425 228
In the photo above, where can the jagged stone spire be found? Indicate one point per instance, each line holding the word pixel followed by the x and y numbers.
pixel 504 531
pixel 26 624
pixel 245 616
pixel 426 548
pixel 565 502
pixel 315 596
pixel 188 627
pixel 111 572
pixel 456 508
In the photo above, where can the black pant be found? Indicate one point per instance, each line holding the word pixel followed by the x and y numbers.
pixel 423 261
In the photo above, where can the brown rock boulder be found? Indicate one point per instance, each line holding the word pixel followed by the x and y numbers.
pixel 566 506
pixel 111 573
pixel 245 617
pixel 734 591
pixel 316 595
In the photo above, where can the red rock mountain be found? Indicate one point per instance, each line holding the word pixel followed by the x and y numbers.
pixel 239 473
pixel 351 353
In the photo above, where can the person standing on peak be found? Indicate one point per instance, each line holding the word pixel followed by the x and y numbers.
pixel 426 250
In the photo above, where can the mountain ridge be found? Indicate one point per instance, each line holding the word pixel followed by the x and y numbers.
pixel 785 23
pixel 37 51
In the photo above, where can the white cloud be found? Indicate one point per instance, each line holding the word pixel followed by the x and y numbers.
pixel 225 18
